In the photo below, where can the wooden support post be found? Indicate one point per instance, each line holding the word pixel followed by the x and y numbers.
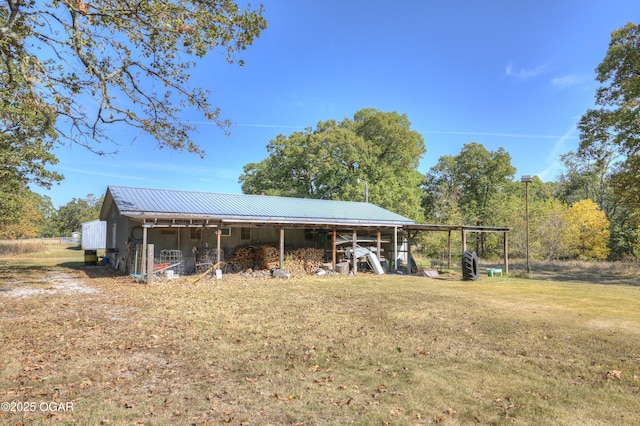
pixel 395 249
pixel 409 272
pixel 464 241
pixel 281 248
pixel 150 252
pixel 379 246
pixel 143 261
pixel 333 250
pixel 218 236
pixel 506 252
pixel 449 254
pixel 353 254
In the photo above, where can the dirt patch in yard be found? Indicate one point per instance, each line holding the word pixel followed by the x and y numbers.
pixel 53 281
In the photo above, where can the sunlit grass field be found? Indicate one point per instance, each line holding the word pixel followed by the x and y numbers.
pixel 559 348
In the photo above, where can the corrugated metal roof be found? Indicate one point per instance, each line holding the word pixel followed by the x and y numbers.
pixel 148 203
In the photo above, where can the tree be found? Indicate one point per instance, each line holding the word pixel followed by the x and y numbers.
pixel 27 132
pixel 616 124
pixel 590 174
pixel 70 217
pixel 375 155
pixel 19 213
pixel 27 136
pixel 587 231
pixel 474 178
pixel 93 64
pixel 548 224
pixel 70 69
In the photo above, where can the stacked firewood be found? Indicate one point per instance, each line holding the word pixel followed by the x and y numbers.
pixel 242 257
pixel 298 261
pixel 255 257
pixel 304 260
pixel 267 257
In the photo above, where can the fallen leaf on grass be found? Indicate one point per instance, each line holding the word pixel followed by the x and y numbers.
pixel 613 374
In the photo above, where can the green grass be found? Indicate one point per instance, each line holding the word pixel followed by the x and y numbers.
pixel 362 350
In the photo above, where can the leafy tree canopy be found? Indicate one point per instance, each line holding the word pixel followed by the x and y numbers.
pixel 89 64
pixel 22 212
pixel 471 184
pixel 70 217
pixel 587 231
pixel 615 126
pixel 375 153
pixel 70 68
pixel 473 178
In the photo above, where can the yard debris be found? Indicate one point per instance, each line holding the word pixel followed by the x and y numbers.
pixel 613 374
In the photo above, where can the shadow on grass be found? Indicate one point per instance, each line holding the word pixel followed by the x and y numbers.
pixel 94 272
pixel 71 265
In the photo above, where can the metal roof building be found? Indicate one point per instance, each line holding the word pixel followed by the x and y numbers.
pixel 166 207
pixel 192 223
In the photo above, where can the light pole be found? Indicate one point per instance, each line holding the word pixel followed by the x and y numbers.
pixel 526 179
pixel 366 190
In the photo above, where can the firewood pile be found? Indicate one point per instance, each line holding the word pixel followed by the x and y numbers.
pixel 260 257
pixel 304 261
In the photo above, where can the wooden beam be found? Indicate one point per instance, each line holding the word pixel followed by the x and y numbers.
pixel 449 253
pixel 506 252
pixel 281 248
pixel 334 250
pixel 409 272
pixel 143 261
pixel 218 234
pixel 464 241
pixel 150 252
pixel 353 254
pixel 395 249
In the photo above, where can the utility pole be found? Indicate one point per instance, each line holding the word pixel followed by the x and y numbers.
pixel 526 179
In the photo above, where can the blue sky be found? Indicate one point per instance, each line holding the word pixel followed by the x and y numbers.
pixel 503 73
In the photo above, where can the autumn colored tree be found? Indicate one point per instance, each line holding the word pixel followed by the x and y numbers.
pixel 587 233
pixel 20 211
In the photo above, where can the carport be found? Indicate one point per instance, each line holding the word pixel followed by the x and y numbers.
pixel 414 229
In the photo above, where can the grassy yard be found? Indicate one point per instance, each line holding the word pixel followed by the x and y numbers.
pixel 562 348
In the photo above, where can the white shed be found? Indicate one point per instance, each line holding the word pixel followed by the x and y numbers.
pixel 94 235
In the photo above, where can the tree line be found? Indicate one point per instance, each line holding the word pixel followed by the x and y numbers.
pixel 590 211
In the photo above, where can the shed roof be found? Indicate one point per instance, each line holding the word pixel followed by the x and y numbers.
pixel 163 204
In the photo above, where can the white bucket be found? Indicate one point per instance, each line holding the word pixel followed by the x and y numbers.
pixel 168 274
pixel 218 273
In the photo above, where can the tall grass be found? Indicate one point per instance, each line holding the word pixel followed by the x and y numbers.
pixel 21 247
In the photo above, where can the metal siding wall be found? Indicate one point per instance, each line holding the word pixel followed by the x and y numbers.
pixel 94 235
